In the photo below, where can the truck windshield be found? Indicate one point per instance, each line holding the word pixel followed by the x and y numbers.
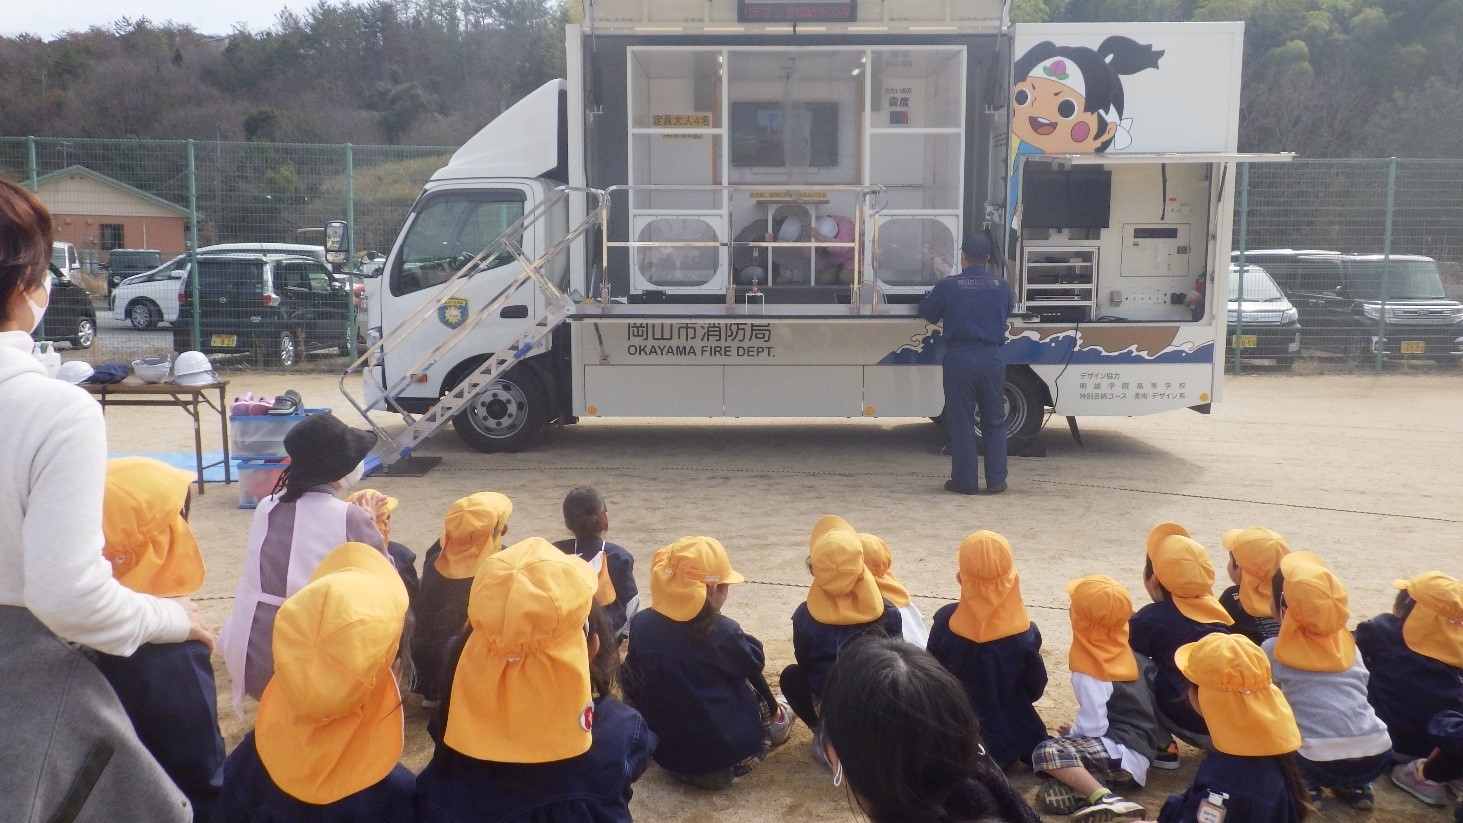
pixel 1406 280
pixel 449 230
pixel 1259 288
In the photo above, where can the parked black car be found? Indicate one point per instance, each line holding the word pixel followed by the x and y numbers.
pixel 1339 298
pixel 123 263
pixel 70 318
pixel 274 306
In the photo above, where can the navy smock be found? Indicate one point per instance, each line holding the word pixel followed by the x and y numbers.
pixel 1157 631
pixel 1253 790
pixel 1002 678
pixel 622 572
pixel 594 787
pixel 171 698
pixel 695 692
pixel 1406 688
pixel 250 796
pixel 441 614
pixel 816 645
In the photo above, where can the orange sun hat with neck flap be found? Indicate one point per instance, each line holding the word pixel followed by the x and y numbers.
pixel 473 530
pixel 1313 635
pixel 680 573
pixel 330 720
pixel 844 592
pixel 384 508
pixel 1100 612
pixel 1161 531
pixel 990 605
pixel 150 545
pixel 1257 551
pixel 879 559
pixel 1246 713
pixel 1435 626
pixel 1182 567
pixel 521 691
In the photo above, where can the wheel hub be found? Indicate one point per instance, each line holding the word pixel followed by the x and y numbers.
pixel 499 412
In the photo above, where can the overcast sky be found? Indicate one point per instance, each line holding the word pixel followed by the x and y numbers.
pixel 50 18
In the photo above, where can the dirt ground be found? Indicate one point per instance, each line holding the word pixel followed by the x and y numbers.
pixel 1361 469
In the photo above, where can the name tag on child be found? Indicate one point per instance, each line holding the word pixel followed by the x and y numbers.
pixel 1211 809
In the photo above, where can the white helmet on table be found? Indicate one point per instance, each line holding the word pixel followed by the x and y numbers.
pixel 74 372
pixel 193 369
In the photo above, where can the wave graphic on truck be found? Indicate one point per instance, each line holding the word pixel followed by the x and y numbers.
pixel 1157 344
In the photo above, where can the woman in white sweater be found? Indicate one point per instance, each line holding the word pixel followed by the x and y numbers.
pixel 67 747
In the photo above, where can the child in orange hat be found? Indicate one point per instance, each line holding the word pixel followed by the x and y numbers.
pixel 327 743
pixel 1415 656
pixel 696 676
pixel 879 561
pixel 1251 776
pixel 1254 558
pixel 1344 746
pixel 167 689
pixel 844 602
pixel 528 728
pixel 381 506
pixel 1180 580
pixel 473 529
pixel 1115 735
pixel 991 646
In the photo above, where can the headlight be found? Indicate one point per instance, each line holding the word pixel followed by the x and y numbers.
pixel 1371 312
pixel 1289 316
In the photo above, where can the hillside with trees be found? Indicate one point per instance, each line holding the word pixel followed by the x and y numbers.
pixel 1326 78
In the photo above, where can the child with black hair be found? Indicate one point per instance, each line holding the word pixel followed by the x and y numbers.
pixel 586 515
pixel 696 676
pixel 1180 579
pixel 528 728
pixel 899 728
pixel 1254 559
pixel 1415 655
pixel 1344 747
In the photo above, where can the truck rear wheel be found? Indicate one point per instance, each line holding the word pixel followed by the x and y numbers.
pixel 508 416
pixel 1026 402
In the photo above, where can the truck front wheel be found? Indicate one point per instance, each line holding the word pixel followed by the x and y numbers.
pixel 508 416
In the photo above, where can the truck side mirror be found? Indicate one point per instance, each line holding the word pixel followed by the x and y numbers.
pixel 335 237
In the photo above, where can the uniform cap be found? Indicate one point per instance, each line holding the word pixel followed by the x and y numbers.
pixel 990 606
pixel 1100 612
pixel 844 592
pixel 680 573
pixel 1257 551
pixel 150 545
pixel 330 719
pixel 1435 626
pixel 472 530
pixel 879 559
pixel 384 508
pixel 1246 713
pixel 1313 635
pixel 1162 530
pixel 1183 567
pixel 521 691
pixel 977 246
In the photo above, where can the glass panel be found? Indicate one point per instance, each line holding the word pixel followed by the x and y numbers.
pixel 675 88
pixel 450 230
pixel 922 170
pixel 677 267
pixel 677 159
pixel 794 115
pixel 917 88
pixel 914 251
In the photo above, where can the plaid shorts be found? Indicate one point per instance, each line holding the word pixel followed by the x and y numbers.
pixel 1074 752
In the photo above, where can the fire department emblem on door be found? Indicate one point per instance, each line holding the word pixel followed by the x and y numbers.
pixel 453 312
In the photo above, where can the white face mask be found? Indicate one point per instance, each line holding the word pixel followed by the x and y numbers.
pixel 37 310
pixel 349 482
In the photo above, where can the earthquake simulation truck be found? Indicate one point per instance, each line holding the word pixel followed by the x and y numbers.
pixel 731 208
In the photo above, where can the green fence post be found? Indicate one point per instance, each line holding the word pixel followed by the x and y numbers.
pixel 350 244
pixel 30 160
pixel 1386 262
pixel 193 243
pixel 1244 231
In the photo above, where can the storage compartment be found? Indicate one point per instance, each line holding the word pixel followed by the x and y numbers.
pixel 261 437
pixel 257 479
pixel 1058 283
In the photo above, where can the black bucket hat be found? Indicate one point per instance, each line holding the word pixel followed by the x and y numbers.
pixel 322 450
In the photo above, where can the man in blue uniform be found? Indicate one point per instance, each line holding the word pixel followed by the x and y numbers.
pixel 973 305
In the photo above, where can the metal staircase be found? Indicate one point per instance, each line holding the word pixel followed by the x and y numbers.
pixel 558 308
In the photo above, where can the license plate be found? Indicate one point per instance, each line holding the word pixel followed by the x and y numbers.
pixel 1248 341
pixel 229 340
pixel 1413 346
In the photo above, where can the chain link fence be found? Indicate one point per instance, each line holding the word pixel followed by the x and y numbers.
pixel 128 213
pixel 1350 264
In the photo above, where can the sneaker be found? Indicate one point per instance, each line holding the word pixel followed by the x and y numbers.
pixel 428 703
pixel 951 487
pixel 1110 807
pixel 1362 799
pixel 287 403
pixel 820 754
pixel 1456 787
pixel 781 729
pixel 1168 759
pixel 1408 777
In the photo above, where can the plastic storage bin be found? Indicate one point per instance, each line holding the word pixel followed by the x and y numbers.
pixel 257 479
pixel 261 437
